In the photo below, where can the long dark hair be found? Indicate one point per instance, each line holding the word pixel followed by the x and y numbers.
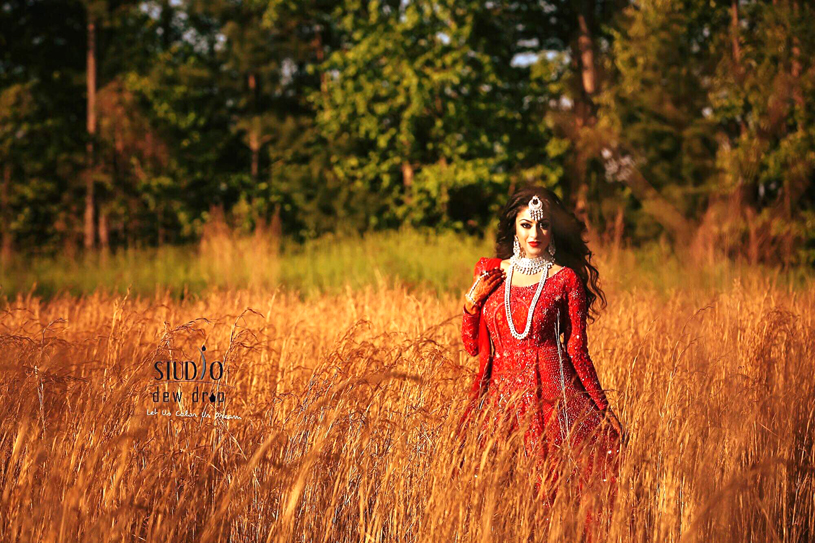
pixel 567 230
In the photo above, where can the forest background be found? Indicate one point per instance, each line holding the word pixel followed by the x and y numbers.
pixel 127 127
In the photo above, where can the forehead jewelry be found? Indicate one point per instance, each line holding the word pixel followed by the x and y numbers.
pixel 536 209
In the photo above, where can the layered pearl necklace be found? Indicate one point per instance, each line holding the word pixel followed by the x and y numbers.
pixel 527 266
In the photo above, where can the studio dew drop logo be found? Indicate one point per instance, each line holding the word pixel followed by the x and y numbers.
pixel 208 374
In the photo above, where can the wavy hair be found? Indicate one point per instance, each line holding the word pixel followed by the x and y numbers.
pixel 566 229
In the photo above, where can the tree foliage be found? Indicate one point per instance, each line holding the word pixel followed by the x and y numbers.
pixel 688 119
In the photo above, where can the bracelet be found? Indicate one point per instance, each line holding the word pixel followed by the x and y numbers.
pixel 469 294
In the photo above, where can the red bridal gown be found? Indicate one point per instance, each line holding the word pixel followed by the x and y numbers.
pixel 527 382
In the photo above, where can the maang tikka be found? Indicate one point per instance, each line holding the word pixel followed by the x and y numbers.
pixel 536 209
pixel 537 213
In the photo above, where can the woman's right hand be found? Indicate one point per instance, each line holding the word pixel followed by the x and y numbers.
pixel 483 285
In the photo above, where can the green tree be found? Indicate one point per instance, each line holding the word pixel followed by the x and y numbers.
pixel 17 108
pixel 655 136
pixel 424 112
pixel 758 99
pixel 706 125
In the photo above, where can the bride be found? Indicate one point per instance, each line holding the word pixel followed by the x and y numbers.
pixel 540 285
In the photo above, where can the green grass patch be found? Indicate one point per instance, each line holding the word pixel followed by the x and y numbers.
pixel 439 262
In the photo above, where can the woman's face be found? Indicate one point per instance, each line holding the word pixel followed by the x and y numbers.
pixel 533 235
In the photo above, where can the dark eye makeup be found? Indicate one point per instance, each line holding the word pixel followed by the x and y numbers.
pixel 526 225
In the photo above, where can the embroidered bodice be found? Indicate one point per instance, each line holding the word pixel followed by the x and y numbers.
pixel 564 294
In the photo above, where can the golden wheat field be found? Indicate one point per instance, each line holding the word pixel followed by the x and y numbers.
pixel 334 417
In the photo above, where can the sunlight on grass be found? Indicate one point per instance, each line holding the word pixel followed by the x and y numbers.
pixel 348 402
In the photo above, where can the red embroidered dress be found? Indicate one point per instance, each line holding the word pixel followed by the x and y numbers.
pixel 535 377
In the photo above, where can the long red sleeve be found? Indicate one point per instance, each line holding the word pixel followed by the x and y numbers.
pixel 577 344
pixel 469 331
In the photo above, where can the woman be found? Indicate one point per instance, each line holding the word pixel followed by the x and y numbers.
pixel 540 285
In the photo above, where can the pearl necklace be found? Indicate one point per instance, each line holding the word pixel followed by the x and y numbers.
pixel 546 264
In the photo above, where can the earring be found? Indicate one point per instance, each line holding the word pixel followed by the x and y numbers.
pixel 516 248
pixel 552 247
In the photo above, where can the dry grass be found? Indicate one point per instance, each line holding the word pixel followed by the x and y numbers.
pixel 347 405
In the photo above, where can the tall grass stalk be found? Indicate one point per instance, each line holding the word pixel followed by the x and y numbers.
pixel 348 402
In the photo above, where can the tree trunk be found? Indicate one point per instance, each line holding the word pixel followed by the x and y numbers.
pixel 104 236
pixel 254 144
pixel 736 51
pixel 734 33
pixel 584 110
pixel 586 46
pixel 797 95
pixel 799 174
pixel 5 251
pixel 104 245
pixel 407 179
pixel 740 199
pixel 91 127
pixel 254 136
pixel 619 228
pixel 614 233
pixel 658 207
pixel 445 194
pixel 652 201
